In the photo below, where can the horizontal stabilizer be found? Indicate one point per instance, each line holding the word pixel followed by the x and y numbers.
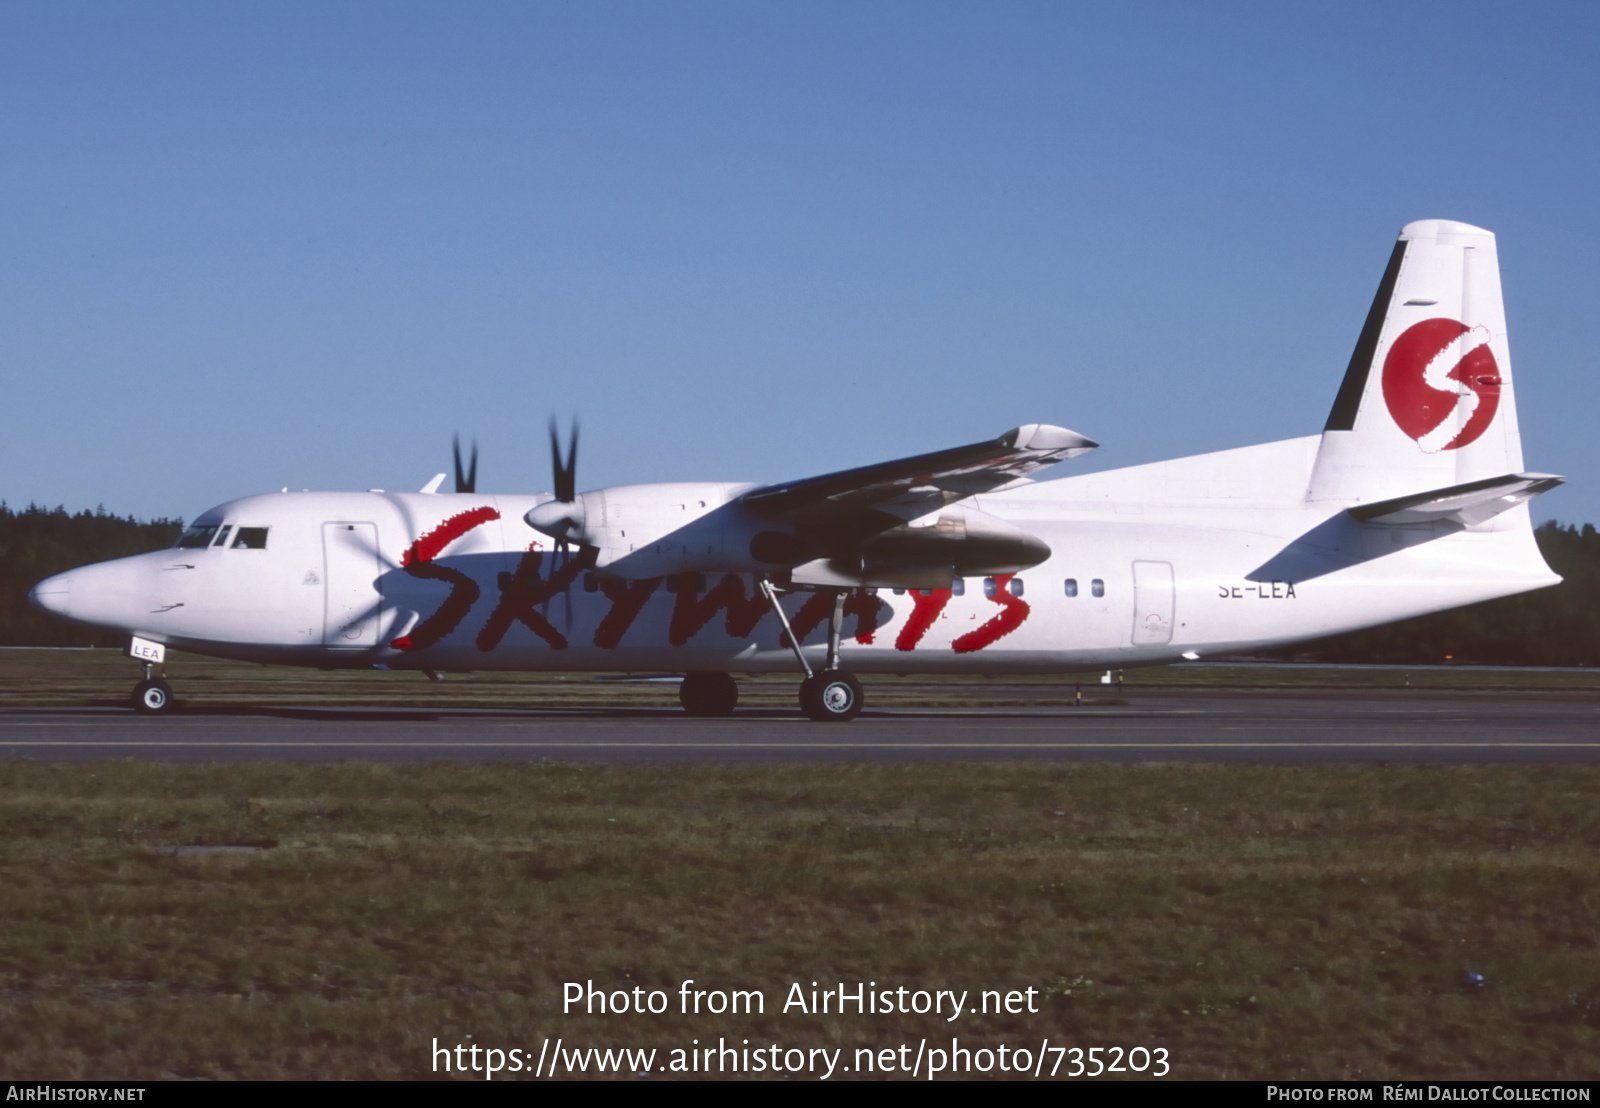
pixel 1469 504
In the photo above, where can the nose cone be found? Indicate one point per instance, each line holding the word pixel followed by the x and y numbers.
pixel 120 594
pixel 53 595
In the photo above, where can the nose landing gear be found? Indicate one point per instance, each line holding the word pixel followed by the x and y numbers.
pixel 152 696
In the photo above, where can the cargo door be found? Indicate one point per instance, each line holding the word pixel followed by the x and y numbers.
pixel 1152 603
pixel 352 566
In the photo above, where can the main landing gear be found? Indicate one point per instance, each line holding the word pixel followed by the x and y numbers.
pixel 708 694
pixel 830 695
pixel 152 696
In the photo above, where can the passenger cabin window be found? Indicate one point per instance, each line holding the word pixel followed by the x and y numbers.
pixel 1072 586
pixel 989 587
pixel 1015 586
pixel 198 535
pixel 250 538
pixel 958 587
pixel 1098 587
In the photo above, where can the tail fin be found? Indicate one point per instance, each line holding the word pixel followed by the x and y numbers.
pixel 1427 401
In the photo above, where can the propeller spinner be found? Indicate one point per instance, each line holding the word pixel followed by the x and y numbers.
pixel 561 518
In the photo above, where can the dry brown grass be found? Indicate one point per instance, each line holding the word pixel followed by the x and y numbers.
pixel 1255 921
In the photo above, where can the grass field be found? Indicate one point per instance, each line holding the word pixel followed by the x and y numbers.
pixel 75 678
pixel 1253 921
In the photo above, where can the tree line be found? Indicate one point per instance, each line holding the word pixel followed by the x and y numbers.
pixel 1551 627
pixel 38 542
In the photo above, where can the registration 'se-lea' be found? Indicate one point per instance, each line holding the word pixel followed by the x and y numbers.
pixel 1412 499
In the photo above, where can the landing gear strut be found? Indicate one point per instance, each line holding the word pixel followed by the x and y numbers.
pixel 708 694
pixel 152 696
pixel 830 695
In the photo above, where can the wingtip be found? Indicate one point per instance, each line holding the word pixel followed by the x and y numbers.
pixel 1046 436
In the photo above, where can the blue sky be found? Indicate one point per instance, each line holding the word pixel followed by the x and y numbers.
pixel 244 246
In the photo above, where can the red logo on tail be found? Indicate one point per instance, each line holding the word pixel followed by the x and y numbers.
pixel 1417 383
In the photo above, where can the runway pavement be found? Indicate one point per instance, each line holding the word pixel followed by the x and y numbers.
pixel 1220 725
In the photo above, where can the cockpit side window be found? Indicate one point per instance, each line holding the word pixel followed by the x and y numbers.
pixel 198 535
pixel 222 539
pixel 250 538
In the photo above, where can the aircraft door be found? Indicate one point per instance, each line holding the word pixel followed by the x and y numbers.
pixel 352 566
pixel 1152 603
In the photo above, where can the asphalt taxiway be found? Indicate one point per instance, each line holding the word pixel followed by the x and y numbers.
pixel 1214 725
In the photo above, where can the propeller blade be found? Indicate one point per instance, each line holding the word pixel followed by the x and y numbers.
pixel 562 516
pixel 354 541
pixel 565 471
pixel 467 480
pixel 566 593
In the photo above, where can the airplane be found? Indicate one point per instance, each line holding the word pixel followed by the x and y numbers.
pixel 1413 499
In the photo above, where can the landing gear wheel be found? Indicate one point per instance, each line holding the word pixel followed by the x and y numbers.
pixel 708 694
pixel 832 696
pixel 152 698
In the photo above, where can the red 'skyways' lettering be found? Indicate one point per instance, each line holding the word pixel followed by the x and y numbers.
pixel 925 609
pixel 691 612
pixel 819 605
pixel 464 592
pixel 1013 610
pixel 522 591
pixel 627 601
pixel 427 548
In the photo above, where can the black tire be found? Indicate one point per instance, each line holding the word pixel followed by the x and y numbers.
pixel 832 696
pixel 152 698
pixel 708 694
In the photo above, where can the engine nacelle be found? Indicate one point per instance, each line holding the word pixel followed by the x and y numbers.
pixel 640 531
pixel 928 553
pixel 643 531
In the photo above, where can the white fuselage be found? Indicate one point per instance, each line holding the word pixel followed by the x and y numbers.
pixel 1209 555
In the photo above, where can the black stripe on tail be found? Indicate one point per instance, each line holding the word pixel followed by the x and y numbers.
pixel 1348 402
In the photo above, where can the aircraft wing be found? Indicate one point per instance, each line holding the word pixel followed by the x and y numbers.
pixel 912 487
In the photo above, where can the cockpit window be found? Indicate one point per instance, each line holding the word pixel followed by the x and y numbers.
pixel 250 538
pixel 199 534
pixel 222 539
